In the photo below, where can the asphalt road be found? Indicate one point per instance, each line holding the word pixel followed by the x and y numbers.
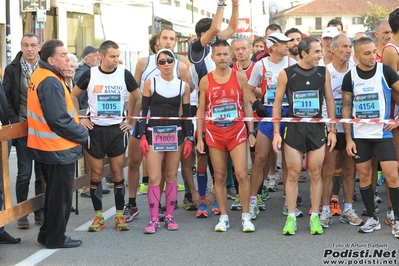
pixel 196 243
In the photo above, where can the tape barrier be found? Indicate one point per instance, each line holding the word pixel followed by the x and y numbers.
pixel 261 119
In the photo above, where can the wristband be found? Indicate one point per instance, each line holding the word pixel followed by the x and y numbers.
pixel 251 132
pixel 276 132
pixel 333 131
pixel 235 5
pixel 221 3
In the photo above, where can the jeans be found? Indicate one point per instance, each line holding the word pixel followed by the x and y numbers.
pixel 1 186
pixel 25 172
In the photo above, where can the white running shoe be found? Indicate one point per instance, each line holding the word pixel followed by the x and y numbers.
pixel 325 219
pixel 247 225
pixel 223 224
pixel 370 225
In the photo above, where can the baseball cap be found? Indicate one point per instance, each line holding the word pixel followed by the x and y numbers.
pixel 276 37
pixel 88 50
pixel 165 51
pixel 330 32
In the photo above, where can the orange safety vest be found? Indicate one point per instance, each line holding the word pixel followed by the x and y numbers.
pixel 40 136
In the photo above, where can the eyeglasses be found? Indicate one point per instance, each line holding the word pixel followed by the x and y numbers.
pixel 33 45
pixel 164 61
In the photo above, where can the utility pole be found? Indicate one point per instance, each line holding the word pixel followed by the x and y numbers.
pixel 8 34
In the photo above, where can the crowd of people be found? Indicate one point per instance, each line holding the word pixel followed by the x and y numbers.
pixel 282 74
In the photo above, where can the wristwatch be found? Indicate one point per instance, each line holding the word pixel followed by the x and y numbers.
pixel 220 3
pixel 253 132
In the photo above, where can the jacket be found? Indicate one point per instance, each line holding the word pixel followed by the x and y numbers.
pixel 3 107
pixel 54 133
pixel 83 98
pixel 11 85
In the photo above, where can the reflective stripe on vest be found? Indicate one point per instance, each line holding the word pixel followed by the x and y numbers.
pixel 40 136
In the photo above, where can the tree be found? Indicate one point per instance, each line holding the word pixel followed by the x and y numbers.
pixel 376 13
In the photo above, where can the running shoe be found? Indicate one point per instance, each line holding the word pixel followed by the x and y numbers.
pixel 265 193
pixel 247 225
pixel 390 218
pixel 253 209
pixel 130 212
pixel 320 209
pixel 223 224
pixel 272 184
pixel 380 178
pixel 335 208
pixel 290 226
pixel 349 216
pixel 120 224
pixel 170 223
pixel 152 227
pixel 261 204
pixel 176 206
pixel 377 199
pixel 215 207
pixel 370 225
pixel 108 182
pixel 326 219
pixel 97 224
pixel 231 193
pixel 161 215
pixel 395 229
pixel 180 187
pixel 236 206
pixel 202 211
pixel 188 203
pixel 278 178
pixel 315 226
pixel 302 178
pixel 376 209
pixel 357 177
pixel 143 188
pixel 298 213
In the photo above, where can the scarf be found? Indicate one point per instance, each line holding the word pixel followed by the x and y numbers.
pixel 27 70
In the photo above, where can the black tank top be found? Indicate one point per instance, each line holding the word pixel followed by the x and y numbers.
pixel 310 81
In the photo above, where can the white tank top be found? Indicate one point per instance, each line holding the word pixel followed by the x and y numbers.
pixel 336 85
pixel 107 94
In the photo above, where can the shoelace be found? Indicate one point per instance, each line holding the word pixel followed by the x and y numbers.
pixel 127 209
pixel 153 223
pixel 169 220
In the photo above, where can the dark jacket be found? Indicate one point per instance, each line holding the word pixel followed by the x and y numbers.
pixel 52 100
pixel 11 84
pixel 3 107
pixel 83 98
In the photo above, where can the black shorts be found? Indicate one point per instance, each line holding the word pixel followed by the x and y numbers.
pixel 106 140
pixel 180 135
pixel 384 148
pixel 341 142
pixel 305 137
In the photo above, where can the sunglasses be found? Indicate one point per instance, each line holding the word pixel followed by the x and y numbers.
pixel 164 61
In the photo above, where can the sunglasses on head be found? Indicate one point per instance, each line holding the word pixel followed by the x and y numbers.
pixel 164 61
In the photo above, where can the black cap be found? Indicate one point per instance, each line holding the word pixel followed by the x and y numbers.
pixel 88 50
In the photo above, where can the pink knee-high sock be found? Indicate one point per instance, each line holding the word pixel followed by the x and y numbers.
pixel 153 195
pixel 171 197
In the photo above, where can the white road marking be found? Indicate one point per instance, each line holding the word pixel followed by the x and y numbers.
pixel 37 257
pixel 110 212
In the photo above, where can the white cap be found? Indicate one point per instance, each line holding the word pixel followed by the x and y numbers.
pixel 164 51
pixel 330 32
pixel 276 37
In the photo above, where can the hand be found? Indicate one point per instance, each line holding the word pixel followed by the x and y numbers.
pixel 125 127
pixel 86 123
pixel 144 146
pixel 276 144
pixel 251 140
pixel 209 199
pixel 188 149
pixel 331 141
pixel 200 146
pixel 390 127
pixel 260 109
pixel 351 147
pixel 196 198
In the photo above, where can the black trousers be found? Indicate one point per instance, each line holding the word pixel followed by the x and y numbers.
pixel 57 204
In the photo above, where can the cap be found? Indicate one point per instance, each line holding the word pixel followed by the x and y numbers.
pixel 330 32
pixel 88 50
pixel 276 37
pixel 165 51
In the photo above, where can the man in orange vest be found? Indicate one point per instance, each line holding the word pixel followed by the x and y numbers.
pixel 54 138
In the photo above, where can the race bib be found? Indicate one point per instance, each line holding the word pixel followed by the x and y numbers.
pixel 367 106
pixel 338 108
pixel 109 105
pixel 306 103
pixel 224 111
pixel 164 138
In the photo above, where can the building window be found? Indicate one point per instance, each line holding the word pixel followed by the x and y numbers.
pixel 202 12
pixel 298 21
pixel 177 3
pixel 318 24
pixel 165 2
pixel 358 21
pixel 208 14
